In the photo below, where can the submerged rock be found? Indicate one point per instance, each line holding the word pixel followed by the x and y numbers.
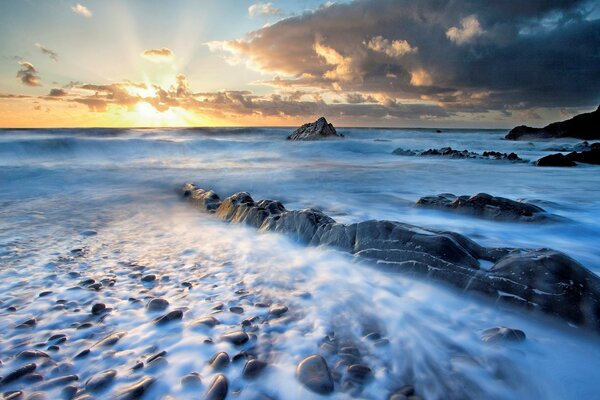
pixel 218 388
pixel 543 279
pixel 237 337
pixel 320 129
pixel 137 390
pixel 583 126
pixel 486 206
pixel 555 160
pixel 452 153
pixel 314 374
pixel 100 381
pixel 18 373
pixel 502 334
pixel 253 368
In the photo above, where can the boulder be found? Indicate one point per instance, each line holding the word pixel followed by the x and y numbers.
pixel 543 280
pixel 555 160
pixel 583 126
pixel 485 206
pixel 591 156
pixel 320 129
pixel 314 374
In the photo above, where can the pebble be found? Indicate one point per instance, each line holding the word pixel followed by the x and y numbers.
pixel 46 293
pixel 98 308
pixel 18 373
pixel 88 233
pixel 314 374
pixel 69 392
pixel 60 381
pixel 502 334
pixel 191 379
pixel 236 310
pixel 277 310
pixel 31 354
pixel 155 356
pixel 58 338
pixel 137 390
pixel 111 339
pixel 358 372
pixel 168 317
pixel 218 388
pixel 206 321
pixel 149 278
pixel 219 361
pixel 253 368
pixel 13 395
pixel 157 304
pixel 101 380
pixel 236 337
pixel 27 324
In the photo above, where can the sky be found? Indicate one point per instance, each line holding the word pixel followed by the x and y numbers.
pixel 388 63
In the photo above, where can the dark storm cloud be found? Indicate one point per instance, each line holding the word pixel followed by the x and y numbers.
pixel 465 55
pixel 28 74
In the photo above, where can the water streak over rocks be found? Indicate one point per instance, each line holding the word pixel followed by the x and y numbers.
pixel 542 279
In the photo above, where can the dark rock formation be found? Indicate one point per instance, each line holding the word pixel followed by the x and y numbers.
pixel 320 129
pixel 582 126
pixel 486 206
pixel 555 160
pixel 502 334
pixel 542 279
pixel 589 156
pixel 452 153
pixel 583 146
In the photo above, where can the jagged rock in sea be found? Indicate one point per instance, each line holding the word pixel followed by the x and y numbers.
pixel 452 153
pixel 320 129
pixel 541 279
pixel 486 206
pixel 589 156
pixel 583 126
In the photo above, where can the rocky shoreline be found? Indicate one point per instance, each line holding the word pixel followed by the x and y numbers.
pixel 542 279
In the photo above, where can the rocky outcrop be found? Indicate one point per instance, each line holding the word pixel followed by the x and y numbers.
pixel 583 126
pixel 591 156
pixel 542 279
pixel 486 206
pixel 452 153
pixel 320 129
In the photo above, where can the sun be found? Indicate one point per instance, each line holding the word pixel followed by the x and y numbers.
pixel 144 114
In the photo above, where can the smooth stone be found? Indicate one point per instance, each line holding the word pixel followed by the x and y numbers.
pixel 236 337
pixel 27 324
pixel 359 372
pixel 58 338
pixel 46 293
pixel 149 278
pixel 191 379
pixel 236 310
pixel 83 353
pixel 277 310
pixel 138 389
pixel 175 315
pixel 219 361
pixel 314 374
pixel 101 380
pixel 157 355
pixel 502 334
pixel 32 354
pixel 88 233
pixel 111 339
pixel 18 373
pixel 98 308
pixel 253 368
pixel 13 395
pixel 218 388
pixel 69 392
pixel 60 381
pixel 206 321
pixel 157 304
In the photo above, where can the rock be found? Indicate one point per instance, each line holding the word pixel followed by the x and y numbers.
pixel 236 310
pixel 60 381
pixel 236 337
pixel 449 152
pixel 359 373
pixel 591 156
pixel 18 373
pixel 502 334
pixel 136 390
pixel 402 152
pixel 111 339
pixel 207 200
pixel 149 278
pixel 583 126
pixel 175 315
pixel 278 310
pixel 98 308
pixel 209 322
pixel 486 206
pixel 219 361
pixel 439 255
pixel 88 233
pixel 253 368
pixel 32 354
pixel 555 160
pixel 157 304
pixel 101 380
pixel 192 379
pixel 314 374
pixel 13 395
pixel 320 129
pixel 30 323
pixel 583 146
pixel 218 388
pixel 45 293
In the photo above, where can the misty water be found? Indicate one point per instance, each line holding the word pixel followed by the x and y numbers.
pixel 104 205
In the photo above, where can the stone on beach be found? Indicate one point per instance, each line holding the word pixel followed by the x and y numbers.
pixel 314 374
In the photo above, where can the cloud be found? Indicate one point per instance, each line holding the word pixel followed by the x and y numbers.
pixel 507 55
pixel 163 54
pixel 28 74
pixel 52 54
pixel 263 10
pixel 82 10
pixel 394 49
pixel 469 31
pixel 57 93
